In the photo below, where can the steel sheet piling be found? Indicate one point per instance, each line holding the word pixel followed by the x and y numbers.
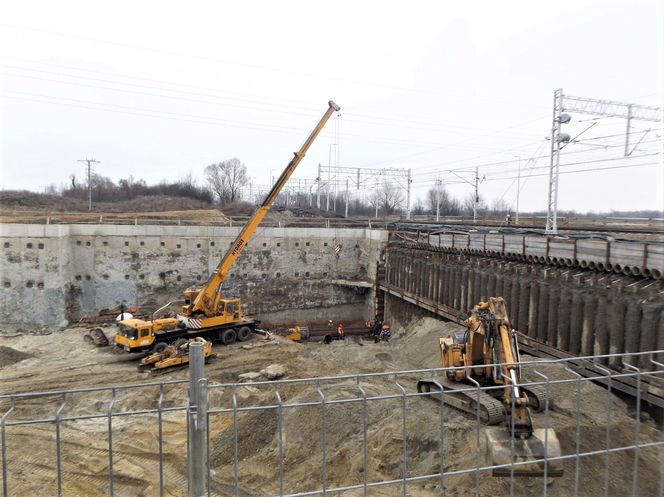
pixel 576 323
pixel 543 312
pixel 588 325
pixel 632 329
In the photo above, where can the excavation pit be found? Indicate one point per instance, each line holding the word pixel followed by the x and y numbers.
pixel 63 361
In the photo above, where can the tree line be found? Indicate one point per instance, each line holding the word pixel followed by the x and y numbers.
pixel 226 185
pixel 104 189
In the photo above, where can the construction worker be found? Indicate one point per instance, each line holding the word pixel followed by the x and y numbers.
pixel 340 332
pixel 330 324
pixel 386 331
pixel 377 326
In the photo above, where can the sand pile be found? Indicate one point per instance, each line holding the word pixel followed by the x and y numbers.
pixel 63 360
pixel 9 356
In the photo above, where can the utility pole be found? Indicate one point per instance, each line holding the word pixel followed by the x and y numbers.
pixel 89 163
pixel 562 104
pixel 477 194
pixel 554 166
pixel 318 190
pixel 438 182
pixel 346 197
pixel 518 191
pixel 329 175
pixel 408 182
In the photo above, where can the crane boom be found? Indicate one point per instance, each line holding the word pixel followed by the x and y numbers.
pixel 209 295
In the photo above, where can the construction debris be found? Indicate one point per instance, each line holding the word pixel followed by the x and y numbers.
pixel 174 355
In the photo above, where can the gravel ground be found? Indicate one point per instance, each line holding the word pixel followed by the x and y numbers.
pixel 63 360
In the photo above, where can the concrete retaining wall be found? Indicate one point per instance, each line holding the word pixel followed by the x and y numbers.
pixel 53 275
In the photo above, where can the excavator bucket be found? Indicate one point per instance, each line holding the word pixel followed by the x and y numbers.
pixel 523 457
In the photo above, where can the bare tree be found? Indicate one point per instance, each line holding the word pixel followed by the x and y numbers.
pixel 226 178
pixel 418 207
pixel 52 189
pixel 469 202
pixel 448 205
pixel 500 206
pixel 387 197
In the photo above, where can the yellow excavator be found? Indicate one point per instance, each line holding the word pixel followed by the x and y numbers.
pixel 174 356
pixel 206 313
pixel 487 353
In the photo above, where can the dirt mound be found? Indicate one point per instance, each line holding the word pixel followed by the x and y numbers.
pixel 64 360
pixel 24 200
pixel 9 356
pixel 152 203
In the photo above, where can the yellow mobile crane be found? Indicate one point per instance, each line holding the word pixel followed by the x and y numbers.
pixel 205 312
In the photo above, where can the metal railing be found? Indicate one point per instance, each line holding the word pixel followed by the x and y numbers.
pixel 340 435
pixel 627 224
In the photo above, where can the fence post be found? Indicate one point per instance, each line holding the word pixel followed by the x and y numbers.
pixel 197 412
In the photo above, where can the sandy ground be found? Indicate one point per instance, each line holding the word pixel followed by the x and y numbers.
pixel 62 360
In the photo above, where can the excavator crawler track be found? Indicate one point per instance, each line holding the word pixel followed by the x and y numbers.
pixel 537 396
pixel 492 411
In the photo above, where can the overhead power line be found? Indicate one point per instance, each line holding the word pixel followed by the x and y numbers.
pixel 646 164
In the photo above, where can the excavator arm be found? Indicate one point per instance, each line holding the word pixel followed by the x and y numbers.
pixel 208 297
pixel 487 354
pixel 506 354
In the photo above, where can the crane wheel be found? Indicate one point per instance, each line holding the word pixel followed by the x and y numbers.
pixel 228 337
pixel 244 334
pixel 159 348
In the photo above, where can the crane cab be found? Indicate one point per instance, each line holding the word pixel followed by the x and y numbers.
pixel 135 335
pixel 227 311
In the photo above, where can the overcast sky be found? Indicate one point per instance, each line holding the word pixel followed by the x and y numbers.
pixel 158 90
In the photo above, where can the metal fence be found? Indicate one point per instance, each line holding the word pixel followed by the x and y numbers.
pixel 364 434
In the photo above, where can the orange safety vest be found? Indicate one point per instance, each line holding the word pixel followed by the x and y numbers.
pixel 340 330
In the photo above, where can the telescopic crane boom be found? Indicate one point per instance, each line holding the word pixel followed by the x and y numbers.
pixel 204 301
pixel 205 312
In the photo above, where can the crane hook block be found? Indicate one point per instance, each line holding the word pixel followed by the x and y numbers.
pixel 334 106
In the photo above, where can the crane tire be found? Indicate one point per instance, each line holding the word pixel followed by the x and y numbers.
pixel 228 336
pixel 244 334
pixel 159 347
